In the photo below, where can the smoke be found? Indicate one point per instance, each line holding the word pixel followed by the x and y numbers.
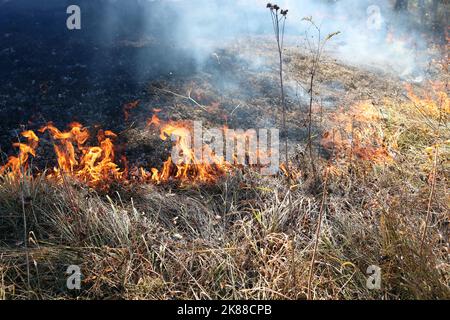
pixel 371 32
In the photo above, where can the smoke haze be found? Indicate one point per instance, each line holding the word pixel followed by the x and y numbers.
pixel 200 26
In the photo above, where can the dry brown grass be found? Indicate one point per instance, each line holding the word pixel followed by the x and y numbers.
pixel 239 239
pixel 247 237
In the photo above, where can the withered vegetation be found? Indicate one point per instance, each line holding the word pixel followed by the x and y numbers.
pixel 381 155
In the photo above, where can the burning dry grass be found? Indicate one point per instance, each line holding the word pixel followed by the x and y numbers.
pixel 244 236
pixel 241 238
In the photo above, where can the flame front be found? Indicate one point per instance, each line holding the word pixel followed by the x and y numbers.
pixel 96 166
pixel 357 135
pixel 190 165
pixel 93 165
pixel 18 166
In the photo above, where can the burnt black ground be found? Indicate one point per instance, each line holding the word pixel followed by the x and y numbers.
pixel 49 73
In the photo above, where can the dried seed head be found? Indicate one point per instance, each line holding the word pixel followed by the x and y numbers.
pixel 276 7
pixel 270 6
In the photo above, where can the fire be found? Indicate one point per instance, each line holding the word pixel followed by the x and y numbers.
pixel 357 136
pixel 189 165
pixel 154 120
pixel 95 165
pixel 294 173
pixel 128 107
pixel 63 144
pixel 18 166
pixel 92 165
pixel 360 133
pixel 435 103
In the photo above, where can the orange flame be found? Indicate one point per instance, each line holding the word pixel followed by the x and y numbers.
pixel 357 136
pixel 435 103
pixel 128 107
pixel 17 166
pixel 190 166
pixel 93 165
pixel 96 166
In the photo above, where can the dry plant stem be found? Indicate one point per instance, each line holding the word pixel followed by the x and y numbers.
pixel 311 88
pixel 430 200
pixel 283 102
pixel 317 235
pixel 316 50
pixel 24 216
pixel 352 143
pixel 25 233
pixel 188 97
pixel 279 36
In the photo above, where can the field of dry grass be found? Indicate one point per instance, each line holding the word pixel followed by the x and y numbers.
pixel 379 192
pixel 86 179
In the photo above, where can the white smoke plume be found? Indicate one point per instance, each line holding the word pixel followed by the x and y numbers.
pixel 203 25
